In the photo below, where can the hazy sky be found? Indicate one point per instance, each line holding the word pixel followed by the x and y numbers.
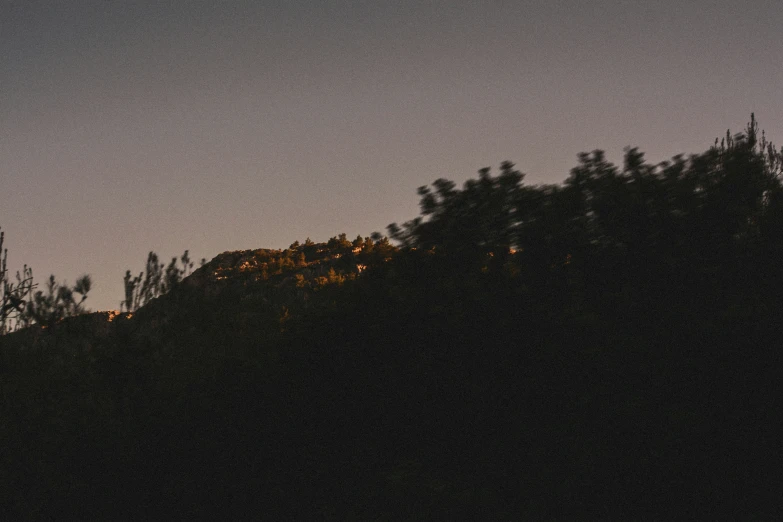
pixel 129 126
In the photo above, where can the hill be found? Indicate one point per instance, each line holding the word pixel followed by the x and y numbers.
pixel 606 348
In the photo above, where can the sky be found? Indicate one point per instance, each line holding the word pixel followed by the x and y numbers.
pixel 130 126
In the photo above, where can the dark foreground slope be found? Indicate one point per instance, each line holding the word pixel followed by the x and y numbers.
pixel 417 389
pixel 609 348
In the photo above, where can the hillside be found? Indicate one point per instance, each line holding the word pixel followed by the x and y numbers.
pixel 401 392
pixel 607 348
pixel 271 279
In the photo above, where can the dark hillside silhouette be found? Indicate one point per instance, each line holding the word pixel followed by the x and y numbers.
pixel 605 348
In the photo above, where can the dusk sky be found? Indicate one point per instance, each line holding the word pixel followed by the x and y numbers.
pixel 130 126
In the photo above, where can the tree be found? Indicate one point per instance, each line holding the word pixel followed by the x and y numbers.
pixel 480 218
pixel 14 297
pixel 641 217
pixel 59 301
pixel 155 280
pixel 22 307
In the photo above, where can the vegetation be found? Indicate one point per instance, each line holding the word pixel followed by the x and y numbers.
pixel 59 301
pixel 13 296
pixel 22 307
pixel 605 348
pixel 154 281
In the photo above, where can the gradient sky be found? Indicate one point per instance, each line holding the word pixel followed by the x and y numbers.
pixel 129 126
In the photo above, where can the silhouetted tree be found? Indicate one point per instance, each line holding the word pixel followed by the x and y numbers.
pixel 59 300
pixel 155 280
pixel 14 297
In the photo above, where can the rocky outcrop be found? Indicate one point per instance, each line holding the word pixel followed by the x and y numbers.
pixel 246 282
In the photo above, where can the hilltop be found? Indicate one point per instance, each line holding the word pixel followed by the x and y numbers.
pixel 263 280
